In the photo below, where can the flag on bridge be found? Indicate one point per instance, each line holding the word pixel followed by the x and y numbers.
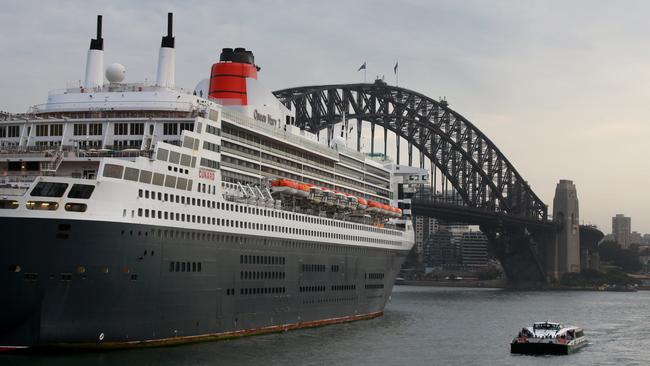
pixel 395 68
pixel 362 67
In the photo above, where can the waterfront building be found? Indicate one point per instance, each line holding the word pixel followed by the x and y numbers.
pixel 621 230
pixel 474 249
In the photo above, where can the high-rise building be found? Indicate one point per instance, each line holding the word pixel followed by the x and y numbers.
pixel 424 228
pixel 442 249
pixel 474 249
pixel 621 230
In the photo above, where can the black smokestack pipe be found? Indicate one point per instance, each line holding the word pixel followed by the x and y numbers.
pixel 98 43
pixel 168 40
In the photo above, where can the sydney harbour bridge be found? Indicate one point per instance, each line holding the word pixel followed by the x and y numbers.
pixel 488 191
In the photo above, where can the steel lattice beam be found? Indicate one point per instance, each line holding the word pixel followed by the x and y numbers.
pixel 473 164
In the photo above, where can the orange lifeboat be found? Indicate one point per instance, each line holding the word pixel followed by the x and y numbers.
pixel 387 210
pixel 374 207
pixel 303 189
pixel 284 186
pixel 362 203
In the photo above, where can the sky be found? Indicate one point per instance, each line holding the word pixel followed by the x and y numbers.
pixel 561 87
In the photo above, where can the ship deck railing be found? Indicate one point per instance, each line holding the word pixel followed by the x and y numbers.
pixel 48 152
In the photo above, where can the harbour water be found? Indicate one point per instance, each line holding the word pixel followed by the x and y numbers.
pixel 421 326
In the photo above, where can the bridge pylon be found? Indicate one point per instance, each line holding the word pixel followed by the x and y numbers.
pixel 564 256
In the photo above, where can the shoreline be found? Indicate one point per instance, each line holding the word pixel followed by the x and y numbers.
pixel 502 285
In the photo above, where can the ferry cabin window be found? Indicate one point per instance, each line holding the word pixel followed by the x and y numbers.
pixel 83 191
pixel 8 204
pixel 113 171
pixel 49 189
pixel 170 129
pixel 42 205
pixel 76 207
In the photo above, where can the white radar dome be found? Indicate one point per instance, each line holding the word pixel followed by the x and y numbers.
pixel 115 73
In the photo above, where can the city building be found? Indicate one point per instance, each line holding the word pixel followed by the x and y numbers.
pixel 474 249
pixel 621 230
pixel 442 249
pixel 424 228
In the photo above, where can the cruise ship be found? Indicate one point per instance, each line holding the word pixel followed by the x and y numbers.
pixel 142 214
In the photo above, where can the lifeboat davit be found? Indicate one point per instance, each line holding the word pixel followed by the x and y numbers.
pixel 315 194
pixel 328 196
pixel 341 200
pixel 352 201
pixel 284 186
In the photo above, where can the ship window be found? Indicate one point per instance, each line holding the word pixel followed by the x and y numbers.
pixel 171 266
pixel 170 181
pixel 162 154
pixel 145 176
pixel 131 174
pixel 174 157
pixel 49 189
pixel 181 183
pixel 42 205
pixel 8 204
pixel 76 207
pixel 113 171
pixel 158 179
pixel 186 160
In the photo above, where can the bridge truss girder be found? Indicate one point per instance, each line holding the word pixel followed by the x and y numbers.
pixel 478 171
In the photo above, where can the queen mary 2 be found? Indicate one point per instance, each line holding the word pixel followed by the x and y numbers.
pixel 137 214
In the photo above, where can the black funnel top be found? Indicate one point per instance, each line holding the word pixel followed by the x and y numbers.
pixel 98 43
pixel 168 40
pixel 237 55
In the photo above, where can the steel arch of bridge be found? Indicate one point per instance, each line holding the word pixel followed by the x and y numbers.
pixel 473 164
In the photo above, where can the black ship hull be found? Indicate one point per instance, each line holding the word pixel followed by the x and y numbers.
pixel 103 284
pixel 544 348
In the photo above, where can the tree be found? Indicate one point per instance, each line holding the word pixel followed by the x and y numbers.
pixel 626 259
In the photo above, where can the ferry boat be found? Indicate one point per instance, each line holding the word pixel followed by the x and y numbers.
pixel 137 214
pixel 548 338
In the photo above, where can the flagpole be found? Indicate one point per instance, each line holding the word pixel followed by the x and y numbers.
pixel 364 74
pixel 397 72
